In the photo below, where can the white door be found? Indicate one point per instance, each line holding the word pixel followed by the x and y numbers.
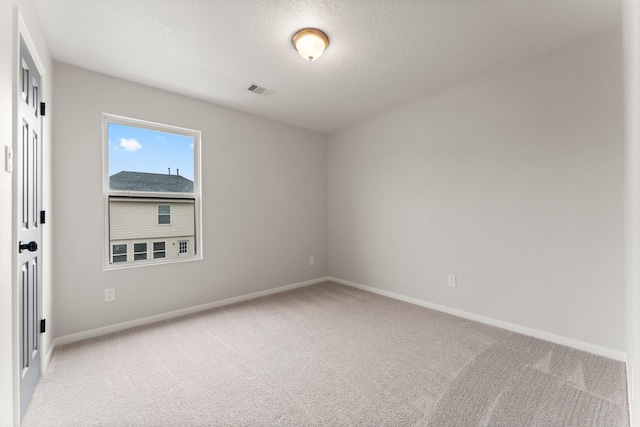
pixel 29 199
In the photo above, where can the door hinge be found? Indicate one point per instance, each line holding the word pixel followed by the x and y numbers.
pixel 43 217
pixel 42 108
pixel 43 326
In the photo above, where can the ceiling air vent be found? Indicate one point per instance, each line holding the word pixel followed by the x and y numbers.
pixel 259 90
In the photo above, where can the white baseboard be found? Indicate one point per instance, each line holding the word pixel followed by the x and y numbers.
pixel 580 345
pixel 67 339
pixel 47 357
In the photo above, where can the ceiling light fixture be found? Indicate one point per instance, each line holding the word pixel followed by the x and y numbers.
pixel 310 43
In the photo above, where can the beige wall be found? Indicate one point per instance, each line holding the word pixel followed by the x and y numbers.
pixel 263 204
pixel 513 181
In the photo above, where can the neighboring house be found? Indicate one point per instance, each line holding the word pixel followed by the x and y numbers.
pixel 150 228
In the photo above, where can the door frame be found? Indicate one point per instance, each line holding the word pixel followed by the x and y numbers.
pixel 21 31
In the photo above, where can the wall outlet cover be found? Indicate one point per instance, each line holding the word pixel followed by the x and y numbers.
pixel 451 281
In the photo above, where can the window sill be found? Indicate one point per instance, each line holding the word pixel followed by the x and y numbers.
pixel 150 262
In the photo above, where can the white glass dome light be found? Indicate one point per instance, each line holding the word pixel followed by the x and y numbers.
pixel 310 43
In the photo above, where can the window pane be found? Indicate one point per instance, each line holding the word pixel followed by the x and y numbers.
pixel 143 159
pixel 119 249
pixel 139 247
pixel 159 254
pixel 164 214
pixel 137 257
pixel 158 246
pixel 119 253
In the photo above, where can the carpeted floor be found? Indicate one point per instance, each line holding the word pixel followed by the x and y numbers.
pixel 326 355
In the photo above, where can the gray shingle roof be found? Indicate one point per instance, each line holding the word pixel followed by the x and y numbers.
pixel 144 181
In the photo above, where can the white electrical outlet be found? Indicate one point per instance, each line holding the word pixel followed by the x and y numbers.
pixel 451 280
pixel 109 294
pixel 312 260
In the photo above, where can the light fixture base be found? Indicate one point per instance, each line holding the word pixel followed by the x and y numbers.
pixel 310 43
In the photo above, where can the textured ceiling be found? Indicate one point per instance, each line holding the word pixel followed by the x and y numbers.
pixel 382 53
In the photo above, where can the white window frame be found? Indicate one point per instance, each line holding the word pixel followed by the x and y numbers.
pixel 125 254
pixel 159 214
pixel 163 250
pixel 196 196
pixel 145 252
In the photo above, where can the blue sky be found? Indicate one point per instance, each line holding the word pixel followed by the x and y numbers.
pixel 142 150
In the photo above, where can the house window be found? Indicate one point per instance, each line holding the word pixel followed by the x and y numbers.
pixel 151 180
pixel 139 251
pixel 164 214
pixel 159 250
pixel 119 253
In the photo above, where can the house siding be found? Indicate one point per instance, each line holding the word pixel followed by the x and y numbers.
pixel 139 220
pixel 136 221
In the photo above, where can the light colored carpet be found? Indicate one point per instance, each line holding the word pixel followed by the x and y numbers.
pixel 326 355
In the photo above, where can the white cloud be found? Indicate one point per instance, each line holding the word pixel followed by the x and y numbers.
pixel 191 145
pixel 130 144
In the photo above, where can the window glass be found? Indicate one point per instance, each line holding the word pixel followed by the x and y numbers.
pixel 164 214
pixel 139 251
pixel 159 249
pixel 119 253
pixel 149 160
